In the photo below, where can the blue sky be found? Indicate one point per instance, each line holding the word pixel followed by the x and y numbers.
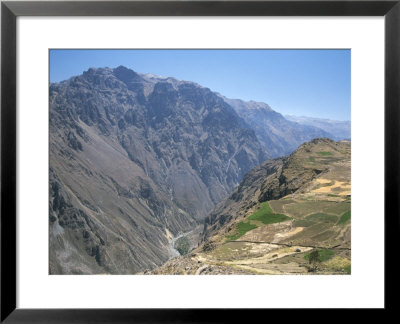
pixel 313 83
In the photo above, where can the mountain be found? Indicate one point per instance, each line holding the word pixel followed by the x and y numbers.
pixel 138 163
pixel 278 134
pixel 136 160
pixel 339 129
pixel 289 215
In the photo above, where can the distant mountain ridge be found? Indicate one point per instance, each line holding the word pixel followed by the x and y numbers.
pixel 278 134
pixel 337 128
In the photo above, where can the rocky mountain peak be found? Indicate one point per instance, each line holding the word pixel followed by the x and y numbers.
pixel 127 75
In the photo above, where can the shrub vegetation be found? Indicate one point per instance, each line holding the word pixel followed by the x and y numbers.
pixel 320 256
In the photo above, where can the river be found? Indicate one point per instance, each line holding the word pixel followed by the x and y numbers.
pixel 172 251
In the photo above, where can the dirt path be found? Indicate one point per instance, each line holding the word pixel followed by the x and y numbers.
pixel 199 270
pixel 336 247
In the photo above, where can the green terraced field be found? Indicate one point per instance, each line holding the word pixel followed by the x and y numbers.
pixel 338 208
pixel 325 153
pixel 304 208
pixel 323 236
pixel 262 216
pixel 345 217
pixel 309 232
pixel 321 217
pixel 303 223
pixel 267 216
pixel 277 205
pixel 241 228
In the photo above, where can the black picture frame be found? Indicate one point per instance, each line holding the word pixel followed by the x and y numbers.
pixel 10 10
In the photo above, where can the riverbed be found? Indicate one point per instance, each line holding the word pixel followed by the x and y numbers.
pixel 193 237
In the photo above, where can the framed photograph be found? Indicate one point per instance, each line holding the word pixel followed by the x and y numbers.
pixel 162 159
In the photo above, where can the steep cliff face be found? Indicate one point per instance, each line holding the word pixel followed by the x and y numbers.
pixel 135 159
